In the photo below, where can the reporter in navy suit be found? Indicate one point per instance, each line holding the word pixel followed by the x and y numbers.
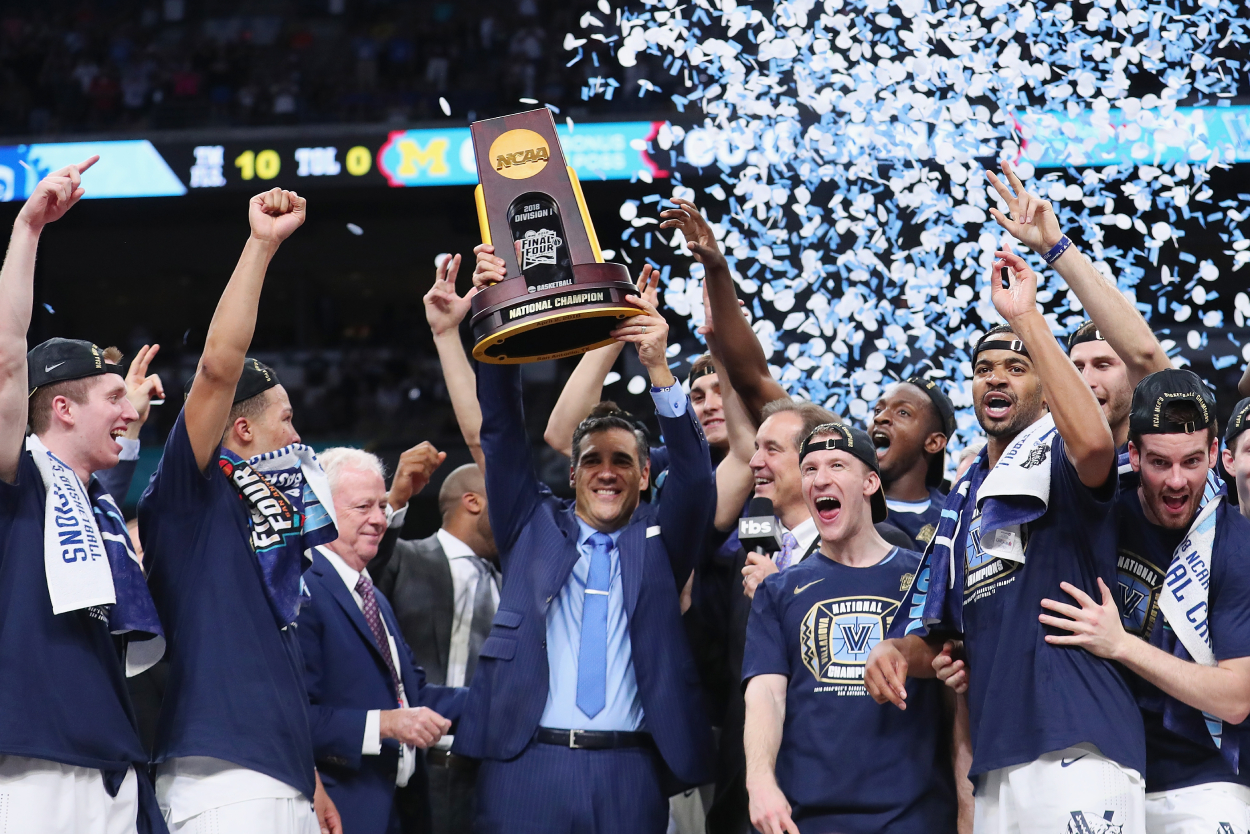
pixel 369 705
pixel 585 706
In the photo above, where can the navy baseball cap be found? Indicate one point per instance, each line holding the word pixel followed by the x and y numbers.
pixel 257 378
pixel 61 360
pixel 858 443
pixel 1170 386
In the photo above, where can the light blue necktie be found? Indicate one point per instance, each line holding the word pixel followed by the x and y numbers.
pixel 592 656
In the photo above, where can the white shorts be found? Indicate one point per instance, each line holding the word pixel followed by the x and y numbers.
pixel 42 797
pixel 1214 808
pixel 1072 791
pixel 254 816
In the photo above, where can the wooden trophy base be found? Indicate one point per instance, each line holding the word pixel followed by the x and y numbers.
pixel 512 326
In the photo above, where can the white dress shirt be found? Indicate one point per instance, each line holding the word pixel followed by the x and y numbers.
pixel 371 744
pixel 464 579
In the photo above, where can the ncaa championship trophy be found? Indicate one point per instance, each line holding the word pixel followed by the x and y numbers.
pixel 560 299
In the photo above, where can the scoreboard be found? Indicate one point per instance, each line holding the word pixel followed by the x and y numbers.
pixel 396 159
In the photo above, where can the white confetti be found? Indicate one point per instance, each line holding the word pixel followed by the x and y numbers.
pixel 636 385
pixel 444 106
pixel 354 229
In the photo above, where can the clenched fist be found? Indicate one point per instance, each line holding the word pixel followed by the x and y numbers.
pixel 416 466
pixel 275 214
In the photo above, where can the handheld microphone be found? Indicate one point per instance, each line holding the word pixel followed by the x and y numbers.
pixel 760 530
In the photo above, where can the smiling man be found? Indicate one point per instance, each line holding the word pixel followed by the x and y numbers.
pixel 911 424
pixel 811 629
pixel 75 602
pixel 1057 740
pixel 1188 600
pixel 585 708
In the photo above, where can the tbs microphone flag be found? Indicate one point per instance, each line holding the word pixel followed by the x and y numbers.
pixel 759 530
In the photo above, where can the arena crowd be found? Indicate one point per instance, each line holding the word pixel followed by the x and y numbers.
pixel 768 618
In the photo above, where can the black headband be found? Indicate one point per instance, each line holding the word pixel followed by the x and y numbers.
pixel 699 372
pixel 1015 346
pixel 1087 332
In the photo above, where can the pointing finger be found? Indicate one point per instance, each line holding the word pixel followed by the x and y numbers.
pixel 87 163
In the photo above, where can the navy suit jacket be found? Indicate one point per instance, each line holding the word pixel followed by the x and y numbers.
pixel 537 537
pixel 346 677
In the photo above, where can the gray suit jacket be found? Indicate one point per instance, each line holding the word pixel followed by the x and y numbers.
pixel 415 576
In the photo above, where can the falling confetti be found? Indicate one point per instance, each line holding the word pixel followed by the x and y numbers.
pixel 636 385
pixel 444 106
pixel 613 376
pixel 48 307
pixel 354 229
pixel 839 150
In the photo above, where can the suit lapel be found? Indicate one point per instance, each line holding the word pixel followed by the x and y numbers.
pixel 338 590
pixel 632 547
pixel 556 569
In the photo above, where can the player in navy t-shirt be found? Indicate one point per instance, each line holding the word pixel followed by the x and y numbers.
pixel 233 747
pixel 70 754
pixel 1184 590
pixel 822 755
pixel 910 426
pixel 1056 736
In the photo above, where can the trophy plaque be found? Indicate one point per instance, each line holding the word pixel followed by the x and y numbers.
pixel 560 298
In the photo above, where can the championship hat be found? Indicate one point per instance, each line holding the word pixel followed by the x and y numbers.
pixel 257 378
pixel 1157 390
pixel 60 360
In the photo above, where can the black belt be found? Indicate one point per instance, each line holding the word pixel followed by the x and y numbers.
pixel 445 758
pixel 592 739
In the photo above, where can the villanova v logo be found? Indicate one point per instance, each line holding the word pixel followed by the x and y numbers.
pixel 1130 597
pixel 856 637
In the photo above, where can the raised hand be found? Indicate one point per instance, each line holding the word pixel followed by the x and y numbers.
pixel 708 329
pixel 490 268
pixel 416 466
pixel 275 214
pixel 444 310
pixel 699 237
pixel 1019 298
pixel 649 333
pixel 142 388
pixel 649 284
pixel 54 195
pixel 1033 221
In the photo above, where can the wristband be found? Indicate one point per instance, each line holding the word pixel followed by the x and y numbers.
pixel 1057 250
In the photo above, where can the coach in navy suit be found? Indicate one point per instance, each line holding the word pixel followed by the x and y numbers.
pixel 369 706
pixel 585 707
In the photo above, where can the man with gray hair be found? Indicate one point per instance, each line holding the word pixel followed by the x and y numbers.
pixel 445 589
pixel 369 707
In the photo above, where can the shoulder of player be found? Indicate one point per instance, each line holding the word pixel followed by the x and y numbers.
pixel 907 560
pixel 1233 534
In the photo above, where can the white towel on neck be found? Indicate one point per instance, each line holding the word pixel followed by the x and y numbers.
pixel 74 559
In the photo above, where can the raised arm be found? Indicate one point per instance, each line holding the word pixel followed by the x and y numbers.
pixel 745 363
pixel 512 488
pixel 1034 224
pixel 444 310
pixel 688 502
pixel 53 196
pixel 273 216
pixel 1078 417
pixel 734 479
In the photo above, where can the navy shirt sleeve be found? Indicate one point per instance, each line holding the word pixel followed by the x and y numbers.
pixel 178 477
pixel 766 644
pixel 1093 503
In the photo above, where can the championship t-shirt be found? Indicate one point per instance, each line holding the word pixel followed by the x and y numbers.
pixel 1189 757
pixel 847 763
pixel 1025 696
pixel 235 689
pixel 918 519
pixel 63 693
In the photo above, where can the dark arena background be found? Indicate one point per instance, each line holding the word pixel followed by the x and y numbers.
pixel 838 146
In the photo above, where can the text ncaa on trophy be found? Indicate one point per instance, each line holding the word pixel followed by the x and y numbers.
pixel 560 298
